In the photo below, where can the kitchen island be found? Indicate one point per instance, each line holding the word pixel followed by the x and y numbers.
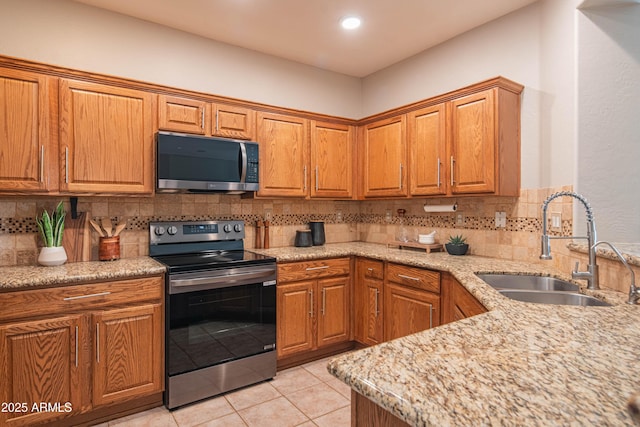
pixel 518 364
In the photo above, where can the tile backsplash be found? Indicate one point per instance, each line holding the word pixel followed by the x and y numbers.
pixel 370 221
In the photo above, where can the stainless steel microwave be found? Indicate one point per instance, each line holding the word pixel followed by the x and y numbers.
pixel 191 163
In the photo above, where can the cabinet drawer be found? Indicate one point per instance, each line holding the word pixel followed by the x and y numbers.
pixel 38 302
pixel 414 277
pixel 294 271
pixel 372 269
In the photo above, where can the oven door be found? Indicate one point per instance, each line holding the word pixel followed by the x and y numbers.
pixel 219 316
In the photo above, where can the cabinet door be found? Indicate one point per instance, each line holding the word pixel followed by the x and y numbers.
pixel 427 141
pixel 129 353
pixel 294 325
pixel 40 363
pixel 472 161
pixel 457 302
pixel 384 157
pixel 183 115
pixel 106 138
pixel 333 311
pixel 26 142
pixel 283 142
pixel 331 160
pixel 233 122
pixel 408 311
pixel 368 302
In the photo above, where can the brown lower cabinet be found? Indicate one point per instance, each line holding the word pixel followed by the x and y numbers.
pixel 68 351
pixel 368 301
pixel 313 300
pixel 457 302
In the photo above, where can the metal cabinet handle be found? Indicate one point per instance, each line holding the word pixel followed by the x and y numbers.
pixel 66 165
pixel 415 279
pixel 76 346
pixel 217 112
pixel 316 177
pixel 311 303
pixel 101 294
pixel 400 185
pixel 438 172
pixel 324 300
pixel 370 270
pixel 323 267
pixel 42 163
pixel 452 179
pixel 377 311
pixel 430 316
pixel 202 119
pixel 98 342
pixel 304 178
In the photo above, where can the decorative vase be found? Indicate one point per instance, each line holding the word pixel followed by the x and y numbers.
pixel 457 249
pixel 52 256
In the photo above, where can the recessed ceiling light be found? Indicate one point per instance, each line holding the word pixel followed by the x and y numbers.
pixel 350 22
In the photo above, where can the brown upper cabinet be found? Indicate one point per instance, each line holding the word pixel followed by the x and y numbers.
pixel 106 138
pixel 331 165
pixel 384 158
pixel 469 145
pixel 28 150
pixel 284 152
pixel 204 118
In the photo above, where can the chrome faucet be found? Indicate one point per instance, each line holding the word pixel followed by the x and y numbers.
pixel 591 274
pixel 634 292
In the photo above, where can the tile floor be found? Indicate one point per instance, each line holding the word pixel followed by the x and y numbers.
pixel 303 396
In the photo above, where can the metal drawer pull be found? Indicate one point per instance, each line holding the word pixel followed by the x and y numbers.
pixel 101 294
pixel 311 303
pixel 324 267
pixel 376 307
pixel 324 300
pixel 76 346
pixel 370 270
pixel 415 279
pixel 430 316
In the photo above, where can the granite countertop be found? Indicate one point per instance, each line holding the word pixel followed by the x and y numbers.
pixel 518 364
pixel 73 273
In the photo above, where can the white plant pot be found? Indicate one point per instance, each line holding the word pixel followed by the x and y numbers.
pixel 52 256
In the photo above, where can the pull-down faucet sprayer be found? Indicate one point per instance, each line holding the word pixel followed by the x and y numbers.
pixel 591 274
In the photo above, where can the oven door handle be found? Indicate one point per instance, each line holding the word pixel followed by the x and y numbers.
pixel 177 286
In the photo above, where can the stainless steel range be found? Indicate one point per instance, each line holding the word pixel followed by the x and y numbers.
pixel 220 309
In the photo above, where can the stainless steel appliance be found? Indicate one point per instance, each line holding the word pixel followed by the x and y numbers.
pixel 220 309
pixel 203 164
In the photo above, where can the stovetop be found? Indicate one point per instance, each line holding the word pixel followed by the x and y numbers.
pixel 212 260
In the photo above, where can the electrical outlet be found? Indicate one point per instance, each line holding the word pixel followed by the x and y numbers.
pixel 388 217
pixel 338 216
pixel 556 221
pixel 460 219
pixel 501 219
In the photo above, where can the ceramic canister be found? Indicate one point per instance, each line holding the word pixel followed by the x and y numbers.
pixel 317 232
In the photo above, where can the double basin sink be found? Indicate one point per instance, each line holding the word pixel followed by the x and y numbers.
pixel 540 289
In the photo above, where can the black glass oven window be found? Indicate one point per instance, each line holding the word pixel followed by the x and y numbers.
pixel 216 326
pixel 198 159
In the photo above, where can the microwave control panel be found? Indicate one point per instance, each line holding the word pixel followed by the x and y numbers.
pixel 252 162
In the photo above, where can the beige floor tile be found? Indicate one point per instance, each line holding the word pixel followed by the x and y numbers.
pixel 278 412
pixel 318 400
pixel 319 369
pixel 340 387
pixel 201 412
pixel 156 417
pixel 294 379
pixel 231 420
pixel 339 418
pixel 307 424
pixel 252 395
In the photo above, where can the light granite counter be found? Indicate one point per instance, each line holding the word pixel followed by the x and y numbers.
pixel 518 364
pixel 30 277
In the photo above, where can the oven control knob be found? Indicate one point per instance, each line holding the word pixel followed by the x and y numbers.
pixel 227 228
pixel 237 228
pixel 160 231
pixel 172 230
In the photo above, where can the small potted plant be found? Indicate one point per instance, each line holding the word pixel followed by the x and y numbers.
pixel 51 228
pixel 457 245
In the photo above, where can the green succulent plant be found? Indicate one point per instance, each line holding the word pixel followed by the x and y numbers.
pixel 51 226
pixel 457 240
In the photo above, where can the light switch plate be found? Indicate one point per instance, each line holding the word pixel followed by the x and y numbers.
pixel 556 221
pixel 501 219
pixel 460 218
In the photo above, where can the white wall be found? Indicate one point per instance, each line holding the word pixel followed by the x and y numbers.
pixel 78 36
pixel 608 170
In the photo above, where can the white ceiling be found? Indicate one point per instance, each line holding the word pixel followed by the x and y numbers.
pixel 308 31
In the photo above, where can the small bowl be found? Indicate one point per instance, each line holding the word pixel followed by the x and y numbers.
pixel 426 239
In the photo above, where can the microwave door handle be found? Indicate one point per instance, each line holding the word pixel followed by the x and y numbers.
pixel 243 162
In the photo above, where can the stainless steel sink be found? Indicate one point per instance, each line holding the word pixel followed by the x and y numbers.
pixel 553 297
pixel 532 283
